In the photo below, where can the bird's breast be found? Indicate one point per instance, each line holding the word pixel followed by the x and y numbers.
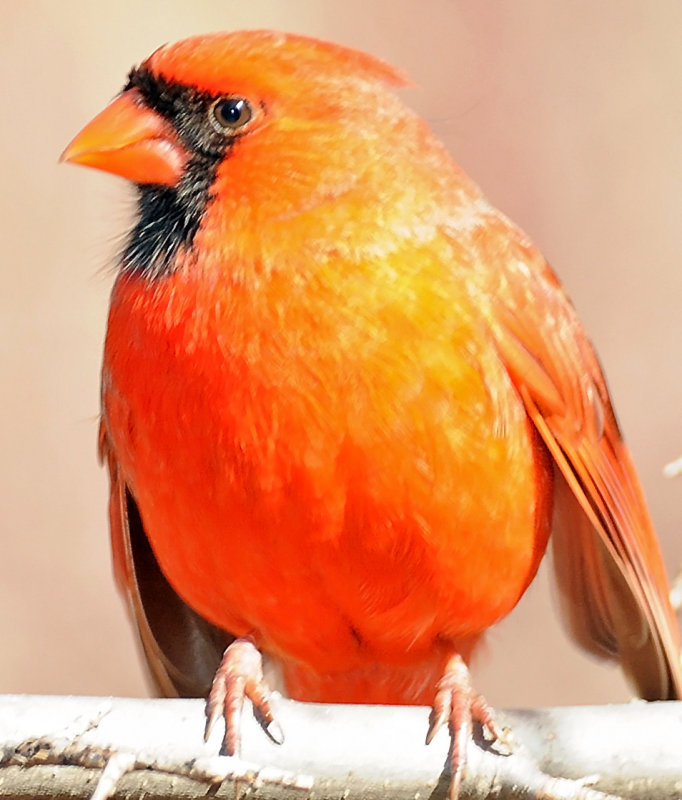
pixel 345 485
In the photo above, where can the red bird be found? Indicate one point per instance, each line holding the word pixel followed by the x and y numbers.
pixel 345 400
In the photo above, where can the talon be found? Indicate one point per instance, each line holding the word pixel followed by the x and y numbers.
pixel 483 714
pixel 458 703
pixel 240 675
pixel 275 732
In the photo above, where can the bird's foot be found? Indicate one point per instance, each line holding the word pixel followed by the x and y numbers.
pixel 458 704
pixel 240 675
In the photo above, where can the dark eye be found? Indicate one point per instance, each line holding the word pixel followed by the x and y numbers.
pixel 230 113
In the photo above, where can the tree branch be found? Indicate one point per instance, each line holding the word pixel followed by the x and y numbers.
pixel 340 751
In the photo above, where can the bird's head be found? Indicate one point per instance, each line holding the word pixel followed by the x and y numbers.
pixel 241 131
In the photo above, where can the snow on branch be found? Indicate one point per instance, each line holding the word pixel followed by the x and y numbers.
pixel 57 747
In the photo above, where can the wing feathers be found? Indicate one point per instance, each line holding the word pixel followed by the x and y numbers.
pixel 181 648
pixel 608 561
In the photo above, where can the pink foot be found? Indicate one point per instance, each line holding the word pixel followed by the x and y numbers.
pixel 240 675
pixel 458 704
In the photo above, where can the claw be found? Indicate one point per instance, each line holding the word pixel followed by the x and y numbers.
pixel 240 675
pixel 458 704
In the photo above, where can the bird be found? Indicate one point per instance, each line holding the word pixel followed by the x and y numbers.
pixel 345 400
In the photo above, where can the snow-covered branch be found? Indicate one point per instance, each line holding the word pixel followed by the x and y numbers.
pixel 57 747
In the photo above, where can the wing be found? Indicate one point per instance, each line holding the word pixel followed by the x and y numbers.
pixel 609 567
pixel 181 648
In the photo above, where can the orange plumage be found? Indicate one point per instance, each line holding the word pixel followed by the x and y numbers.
pixel 342 391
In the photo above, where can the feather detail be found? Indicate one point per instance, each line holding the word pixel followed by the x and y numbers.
pixel 181 649
pixel 608 563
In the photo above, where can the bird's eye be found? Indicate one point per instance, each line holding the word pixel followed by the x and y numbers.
pixel 230 113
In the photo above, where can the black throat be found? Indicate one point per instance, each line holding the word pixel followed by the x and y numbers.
pixel 168 217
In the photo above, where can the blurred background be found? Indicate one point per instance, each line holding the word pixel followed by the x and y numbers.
pixel 568 114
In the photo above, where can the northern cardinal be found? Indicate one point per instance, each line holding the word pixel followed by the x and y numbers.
pixel 345 400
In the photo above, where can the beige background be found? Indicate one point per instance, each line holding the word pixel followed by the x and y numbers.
pixel 568 114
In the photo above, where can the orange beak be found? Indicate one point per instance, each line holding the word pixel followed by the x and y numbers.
pixel 130 140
